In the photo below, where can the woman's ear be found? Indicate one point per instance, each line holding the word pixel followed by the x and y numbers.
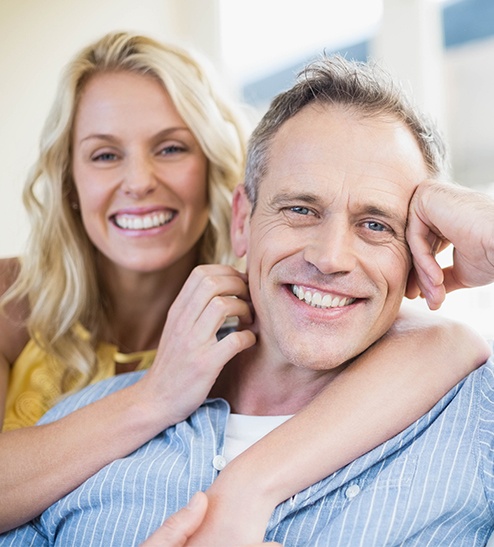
pixel 240 227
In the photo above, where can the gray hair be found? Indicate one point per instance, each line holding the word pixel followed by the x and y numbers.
pixel 364 87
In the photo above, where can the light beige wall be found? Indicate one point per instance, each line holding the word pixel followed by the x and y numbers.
pixel 36 39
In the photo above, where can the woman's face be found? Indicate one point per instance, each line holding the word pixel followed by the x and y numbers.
pixel 140 174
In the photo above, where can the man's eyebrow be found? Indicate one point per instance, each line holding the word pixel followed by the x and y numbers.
pixel 384 212
pixel 289 197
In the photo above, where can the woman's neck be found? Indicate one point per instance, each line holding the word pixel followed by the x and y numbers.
pixel 138 303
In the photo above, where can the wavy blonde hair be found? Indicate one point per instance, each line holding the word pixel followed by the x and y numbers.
pixel 58 270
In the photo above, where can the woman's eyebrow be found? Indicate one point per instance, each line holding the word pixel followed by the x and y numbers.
pixel 113 138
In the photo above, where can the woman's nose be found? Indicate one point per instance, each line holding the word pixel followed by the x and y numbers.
pixel 139 177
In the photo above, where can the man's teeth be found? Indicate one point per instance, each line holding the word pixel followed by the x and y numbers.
pixel 317 300
pixel 143 222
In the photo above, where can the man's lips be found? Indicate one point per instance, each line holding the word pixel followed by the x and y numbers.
pixel 144 221
pixel 319 299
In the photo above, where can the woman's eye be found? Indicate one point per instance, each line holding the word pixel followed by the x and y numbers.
pixel 105 156
pixel 171 149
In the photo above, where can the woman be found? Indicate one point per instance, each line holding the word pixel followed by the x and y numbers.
pixel 131 192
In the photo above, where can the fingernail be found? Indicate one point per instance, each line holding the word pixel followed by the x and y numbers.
pixel 193 502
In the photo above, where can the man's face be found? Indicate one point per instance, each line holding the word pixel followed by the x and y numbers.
pixel 326 250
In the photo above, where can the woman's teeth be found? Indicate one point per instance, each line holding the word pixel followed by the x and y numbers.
pixel 317 300
pixel 143 222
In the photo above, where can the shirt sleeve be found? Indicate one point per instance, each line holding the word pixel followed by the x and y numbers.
pixel 27 535
pixel 486 430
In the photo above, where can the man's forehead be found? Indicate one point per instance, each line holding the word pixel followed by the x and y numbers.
pixel 331 146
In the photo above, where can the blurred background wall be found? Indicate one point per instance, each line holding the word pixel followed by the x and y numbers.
pixel 442 51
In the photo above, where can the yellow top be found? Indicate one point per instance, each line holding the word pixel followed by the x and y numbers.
pixel 35 380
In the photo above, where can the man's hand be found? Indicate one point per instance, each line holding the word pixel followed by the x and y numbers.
pixel 442 214
pixel 178 528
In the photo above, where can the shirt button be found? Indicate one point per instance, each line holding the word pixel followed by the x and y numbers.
pixel 219 462
pixel 352 491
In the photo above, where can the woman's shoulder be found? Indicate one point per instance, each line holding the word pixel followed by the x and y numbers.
pixel 9 270
pixel 13 331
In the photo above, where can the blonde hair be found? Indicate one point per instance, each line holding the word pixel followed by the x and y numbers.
pixel 58 272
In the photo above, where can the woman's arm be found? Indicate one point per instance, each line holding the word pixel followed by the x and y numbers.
pixel 43 463
pixel 381 393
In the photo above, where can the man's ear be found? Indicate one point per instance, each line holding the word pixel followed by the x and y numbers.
pixel 240 227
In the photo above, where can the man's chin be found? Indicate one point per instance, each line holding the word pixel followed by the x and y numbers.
pixel 316 357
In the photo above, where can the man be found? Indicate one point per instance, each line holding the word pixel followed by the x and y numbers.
pixel 334 180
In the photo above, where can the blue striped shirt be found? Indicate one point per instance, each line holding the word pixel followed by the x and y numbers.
pixel 431 485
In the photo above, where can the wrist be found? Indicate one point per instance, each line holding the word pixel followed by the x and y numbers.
pixel 245 480
pixel 145 411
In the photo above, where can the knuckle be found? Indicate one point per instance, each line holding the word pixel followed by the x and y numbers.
pixel 210 284
pixel 219 305
pixel 235 341
pixel 199 271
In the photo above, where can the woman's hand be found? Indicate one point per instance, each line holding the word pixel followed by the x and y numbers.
pixel 189 356
pixel 442 214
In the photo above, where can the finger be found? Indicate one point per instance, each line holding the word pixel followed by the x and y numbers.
pixel 426 265
pixel 229 346
pixel 178 528
pixel 412 289
pixel 424 244
pixel 451 283
pixel 217 311
pixel 195 297
pixel 433 294
pixel 435 297
pixel 423 281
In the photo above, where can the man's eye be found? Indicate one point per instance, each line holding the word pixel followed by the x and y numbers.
pixel 300 210
pixel 376 226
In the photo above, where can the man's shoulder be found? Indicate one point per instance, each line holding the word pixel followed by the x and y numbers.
pixel 483 375
pixel 473 392
pixel 90 394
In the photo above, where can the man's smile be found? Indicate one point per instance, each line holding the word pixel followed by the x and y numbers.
pixel 318 299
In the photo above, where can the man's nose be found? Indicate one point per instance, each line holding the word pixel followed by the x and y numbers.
pixel 331 249
pixel 139 177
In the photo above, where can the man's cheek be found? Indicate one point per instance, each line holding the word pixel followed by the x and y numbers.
pixel 400 260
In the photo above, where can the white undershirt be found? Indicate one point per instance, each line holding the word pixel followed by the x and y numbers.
pixel 243 431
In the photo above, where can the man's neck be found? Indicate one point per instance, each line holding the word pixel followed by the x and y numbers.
pixel 256 383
